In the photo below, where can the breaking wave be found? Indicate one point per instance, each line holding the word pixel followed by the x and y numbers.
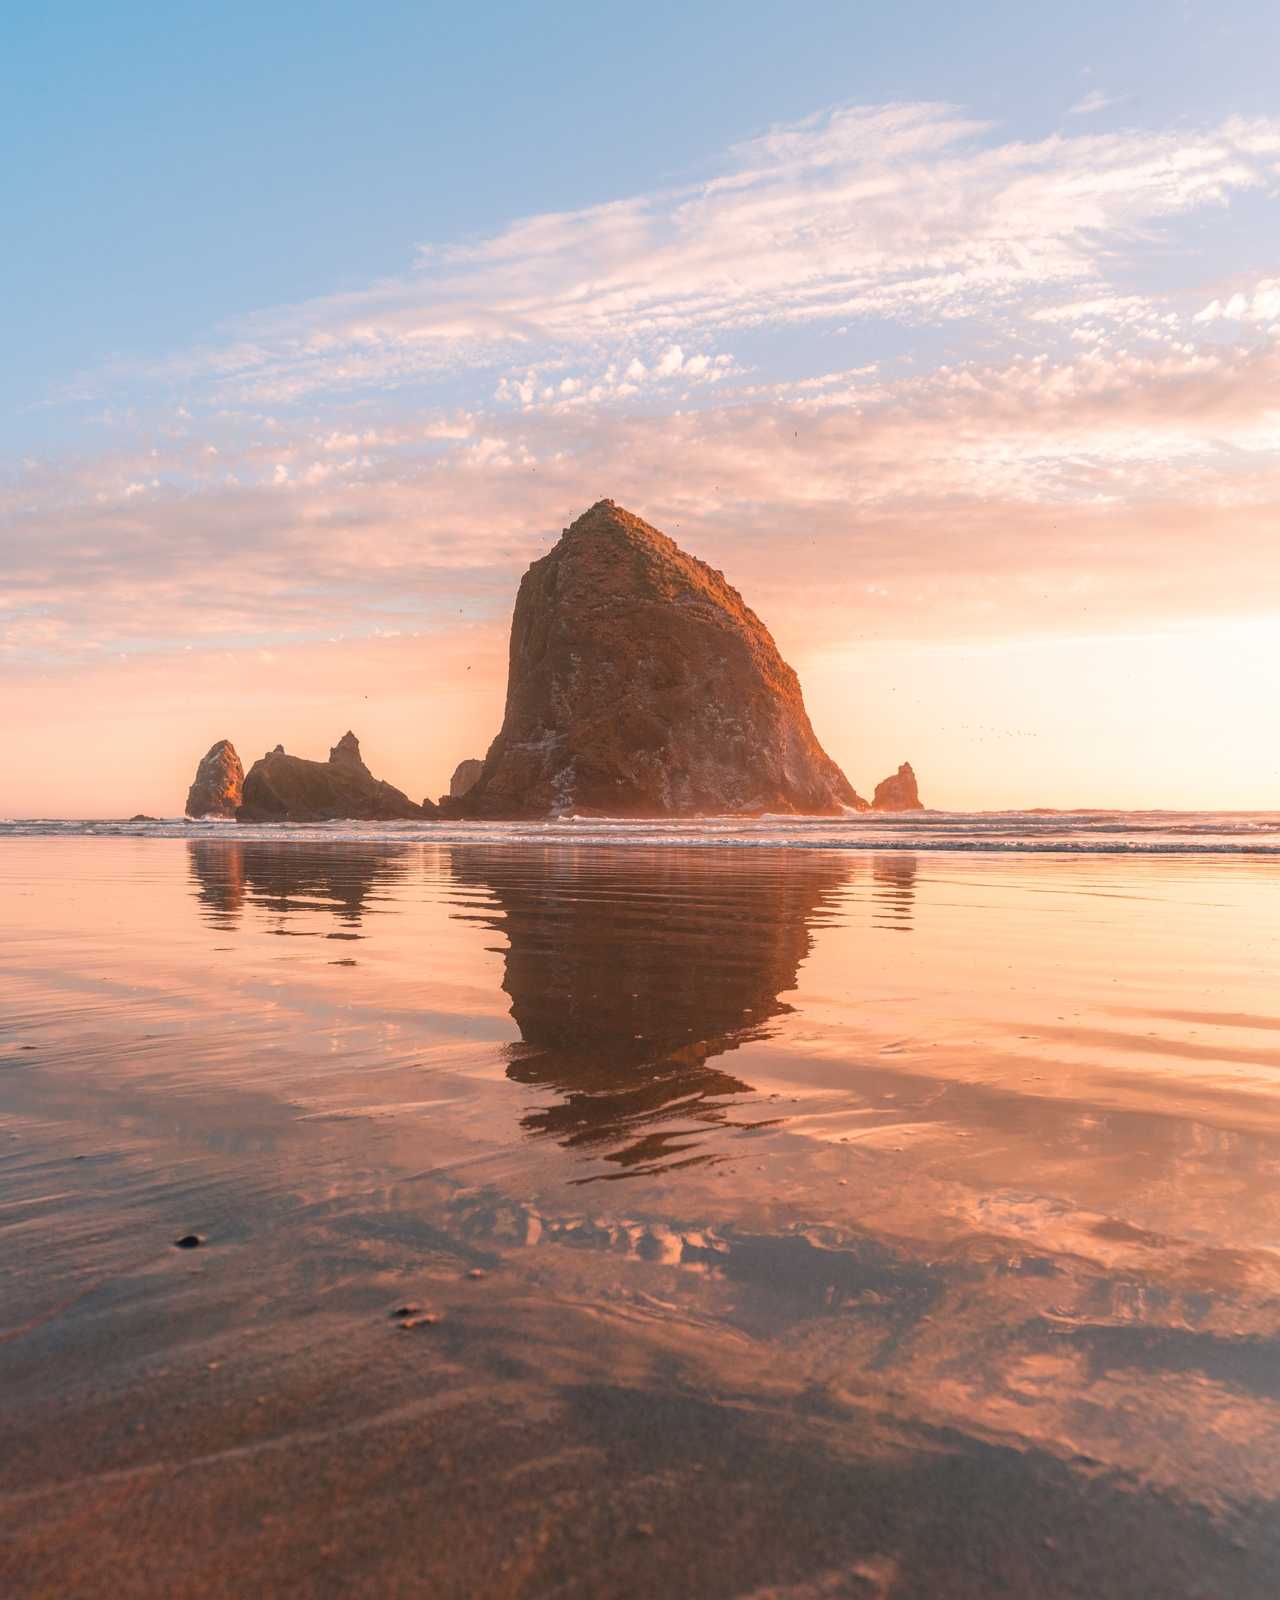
pixel 1089 832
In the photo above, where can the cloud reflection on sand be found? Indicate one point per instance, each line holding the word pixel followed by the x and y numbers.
pixel 975 1228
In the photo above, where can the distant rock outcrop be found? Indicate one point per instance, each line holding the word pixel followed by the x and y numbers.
pixel 219 783
pixel 284 788
pixel 640 684
pixel 464 777
pixel 346 753
pixel 898 793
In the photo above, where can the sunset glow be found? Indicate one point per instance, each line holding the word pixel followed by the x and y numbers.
pixel 978 403
pixel 640 651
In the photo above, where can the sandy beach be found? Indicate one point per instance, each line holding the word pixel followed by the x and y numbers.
pixel 770 1223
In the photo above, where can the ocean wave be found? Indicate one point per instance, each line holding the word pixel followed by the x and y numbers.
pixel 1004 832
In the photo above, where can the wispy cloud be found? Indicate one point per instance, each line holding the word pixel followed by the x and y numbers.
pixel 1032 433
pixel 1125 483
pixel 911 214
pixel 1095 100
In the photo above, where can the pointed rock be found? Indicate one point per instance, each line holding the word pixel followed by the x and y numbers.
pixel 640 684
pixel 898 793
pixel 346 753
pixel 283 788
pixel 219 782
pixel 464 777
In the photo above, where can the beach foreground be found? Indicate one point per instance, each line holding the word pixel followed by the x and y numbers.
pixel 771 1222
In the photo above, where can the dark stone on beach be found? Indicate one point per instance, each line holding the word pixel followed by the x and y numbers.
pixel 899 792
pixel 218 784
pixel 189 1241
pixel 284 788
pixel 640 684
pixel 406 1311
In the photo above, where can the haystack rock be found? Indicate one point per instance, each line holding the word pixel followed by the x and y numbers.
pixel 464 777
pixel 640 684
pixel 218 784
pixel 284 788
pixel 898 793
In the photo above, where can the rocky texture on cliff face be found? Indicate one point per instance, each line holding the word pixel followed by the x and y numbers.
pixel 346 754
pixel 283 788
pixel 899 792
pixel 464 778
pixel 640 684
pixel 218 784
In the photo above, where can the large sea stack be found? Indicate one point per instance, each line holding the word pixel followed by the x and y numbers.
pixel 641 685
pixel 219 782
pixel 284 788
pixel 898 792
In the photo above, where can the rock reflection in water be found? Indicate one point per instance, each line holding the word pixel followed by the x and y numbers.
pixel 893 875
pixel 630 972
pixel 291 882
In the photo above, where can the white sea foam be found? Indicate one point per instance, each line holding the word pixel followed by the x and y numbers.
pixel 1093 832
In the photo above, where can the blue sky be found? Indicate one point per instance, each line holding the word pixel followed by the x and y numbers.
pixel 946 331
pixel 171 167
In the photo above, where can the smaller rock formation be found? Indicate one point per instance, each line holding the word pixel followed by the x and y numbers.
pixel 219 783
pixel 141 816
pixel 464 777
pixel 899 792
pixel 284 788
pixel 346 753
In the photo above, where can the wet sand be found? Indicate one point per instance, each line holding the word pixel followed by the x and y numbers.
pixel 782 1223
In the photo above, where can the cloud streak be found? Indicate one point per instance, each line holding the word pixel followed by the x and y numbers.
pixel 915 215
pixel 1010 495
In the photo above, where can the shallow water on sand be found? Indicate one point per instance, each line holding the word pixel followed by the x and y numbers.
pixel 784 1222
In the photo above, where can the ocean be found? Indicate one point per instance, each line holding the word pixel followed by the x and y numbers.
pixel 875 1207
pixel 1107 832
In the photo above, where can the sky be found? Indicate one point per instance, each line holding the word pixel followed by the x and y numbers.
pixel 951 334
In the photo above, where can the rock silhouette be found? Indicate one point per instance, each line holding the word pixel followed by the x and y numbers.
pixel 346 753
pixel 622 1010
pixel 218 784
pixel 899 792
pixel 464 777
pixel 284 788
pixel 640 684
